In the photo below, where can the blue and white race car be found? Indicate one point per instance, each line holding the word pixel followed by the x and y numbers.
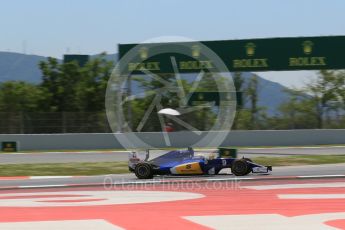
pixel 185 162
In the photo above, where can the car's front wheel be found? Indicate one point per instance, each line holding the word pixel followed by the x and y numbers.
pixel 248 160
pixel 240 167
pixel 143 171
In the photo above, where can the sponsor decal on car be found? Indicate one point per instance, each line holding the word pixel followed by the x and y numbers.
pixel 189 168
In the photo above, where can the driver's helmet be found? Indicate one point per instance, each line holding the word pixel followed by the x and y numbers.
pixel 211 156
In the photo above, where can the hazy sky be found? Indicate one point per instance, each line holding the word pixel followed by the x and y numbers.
pixel 51 28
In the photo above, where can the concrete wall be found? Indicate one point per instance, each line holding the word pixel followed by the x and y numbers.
pixel 178 139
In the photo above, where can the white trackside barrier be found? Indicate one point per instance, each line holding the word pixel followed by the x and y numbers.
pixel 178 139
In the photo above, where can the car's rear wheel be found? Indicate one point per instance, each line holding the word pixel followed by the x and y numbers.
pixel 240 167
pixel 143 171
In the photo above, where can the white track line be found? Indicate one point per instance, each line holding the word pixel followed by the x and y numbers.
pixel 267 221
pixel 311 196
pixel 322 176
pixel 61 224
pixel 43 186
pixel 293 186
pixel 296 147
pixel 231 179
pixel 50 177
pixel 67 152
pixel 91 198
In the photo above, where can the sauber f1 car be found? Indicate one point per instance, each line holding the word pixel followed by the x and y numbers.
pixel 185 162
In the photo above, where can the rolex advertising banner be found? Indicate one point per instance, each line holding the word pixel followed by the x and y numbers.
pixel 272 54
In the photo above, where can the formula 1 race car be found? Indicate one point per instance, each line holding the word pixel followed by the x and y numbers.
pixel 185 162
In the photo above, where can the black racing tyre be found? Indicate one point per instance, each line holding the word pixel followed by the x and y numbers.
pixel 247 159
pixel 143 171
pixel 240 167
pixel 250 160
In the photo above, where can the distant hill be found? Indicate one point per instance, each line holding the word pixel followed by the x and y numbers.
pixel 23 67
pixel 16 66
pixel 109 57
pixel 271 94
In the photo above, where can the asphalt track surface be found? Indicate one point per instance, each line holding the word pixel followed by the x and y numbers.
pixel 107 156
pixel 262 205
pixel 287 171
pixel 98 156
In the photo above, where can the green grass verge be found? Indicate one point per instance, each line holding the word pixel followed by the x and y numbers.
pixel 101 168
pixel 65 150
pixel 63 169
pixel 300 160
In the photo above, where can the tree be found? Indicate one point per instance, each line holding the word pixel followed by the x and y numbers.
pixel 252 93
pixel 70 87
pixel 201 117
pixel 298 112
pixel 238 82
pixel 90 90
pixel 317 103
pixel 59 81
pixel 323 92
pixel 19 96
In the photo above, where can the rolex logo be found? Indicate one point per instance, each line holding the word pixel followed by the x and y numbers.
pixel 250 49
pixel 143 53
pixel 200 97
pixel 307 47
pixel 196 51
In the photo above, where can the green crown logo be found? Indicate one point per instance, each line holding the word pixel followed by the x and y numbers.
pixel 196 51
pixel 307 47
pixel 250 49
pixel 143 53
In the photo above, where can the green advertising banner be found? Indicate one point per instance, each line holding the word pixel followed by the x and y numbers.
pixel 272 54
pixel 79 58
pixel 9 146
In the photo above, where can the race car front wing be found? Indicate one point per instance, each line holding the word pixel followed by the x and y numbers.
pixel 262 169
